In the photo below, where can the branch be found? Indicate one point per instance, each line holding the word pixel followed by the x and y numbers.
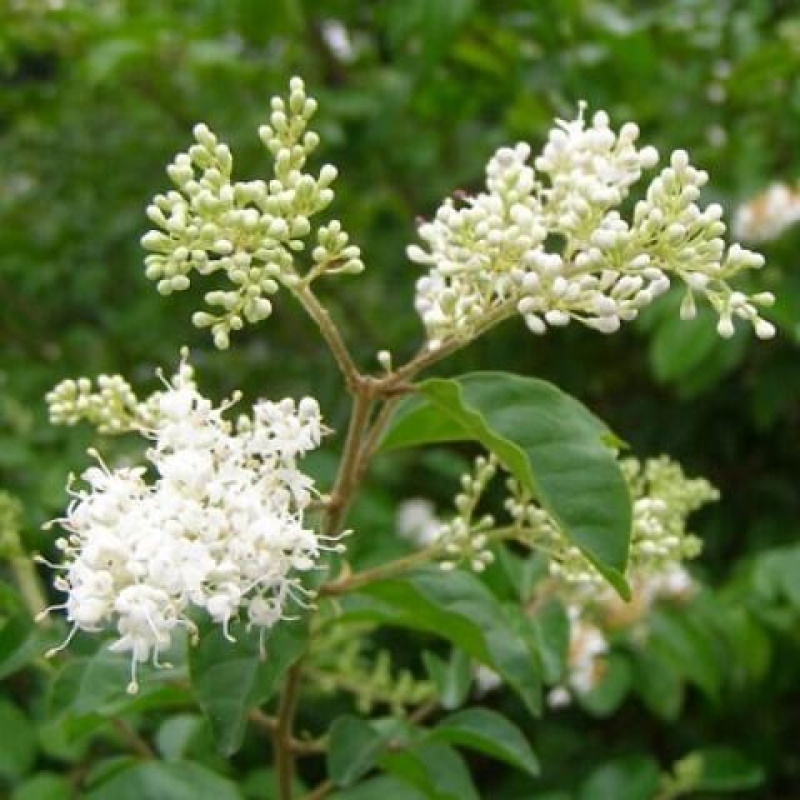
pixel 282 736
pixel 330 333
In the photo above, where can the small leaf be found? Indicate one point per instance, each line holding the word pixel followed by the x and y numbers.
pixel 632 777
pixel 21 641
pixel 550 626
pixel 44 786
pixel 354 749
pixel 607 695
pixel 452 678
pixel 18 736
pixel 723 769
pixel 550 442
pixel 158 780
pixel 230 679
pixel 457 607
pixel 489 733
pixel 434 768
pixel 384 787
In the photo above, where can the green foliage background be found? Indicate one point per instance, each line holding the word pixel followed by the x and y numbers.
pixel 96 97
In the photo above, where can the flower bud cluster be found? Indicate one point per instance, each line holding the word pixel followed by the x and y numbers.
pixel 495 253
pixel 112 406
pixel 663 498
pixel 465 537
pixel 344 659
pixel 10 525
pixel 769 214
pixel 248 230
pixel 219 526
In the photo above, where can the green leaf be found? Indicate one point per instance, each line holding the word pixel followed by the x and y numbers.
pixel 489 733
pixel 157 780
pixel 452 678
pixel 18 736
pixel 21 641
pixel 632 777
pixel 354 749
pixel 86 691
pixel 229 679
pixel 459 608
pixel 176 735
pixel 434 768
pixel 688 646
pixel 608 694
pixel 550 628
pixel 550 442
pixel 723 769
pixel 44 786
pixel 384 786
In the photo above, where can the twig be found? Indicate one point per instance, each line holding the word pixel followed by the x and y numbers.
pixel 323 790
pixel 132 738
pixel 358 579
pixel 284 762
pixel 330 333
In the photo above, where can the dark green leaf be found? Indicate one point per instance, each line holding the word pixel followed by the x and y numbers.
pixel 629 778
pixel 489 733
pixel 230 679
pixel 354 750
pixel 723 769
pixel 608 694
pixel 44 786
pixel 550 442
pixel 18 737
pixel 384 787
pixel 458 607
pixel 156 780
pixel 434 768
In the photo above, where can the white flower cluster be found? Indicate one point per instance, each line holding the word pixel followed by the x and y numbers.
pixel 248 230
pixel 494 254
pixel 769 214
pixel 219 527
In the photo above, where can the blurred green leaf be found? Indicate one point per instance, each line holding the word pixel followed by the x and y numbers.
pixel 489 733
pixel 452 678
pixel 43 786
pixel 435 769
pixel 155 780
pixel 18 737
pixel 723 769
pixel 633 777
pixel 355 747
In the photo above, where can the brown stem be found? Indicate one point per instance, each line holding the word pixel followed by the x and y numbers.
pixel 323 790
pixel 299 747
pixel 358 579
pixel 331 334
pixel 284 762
pixel 136 743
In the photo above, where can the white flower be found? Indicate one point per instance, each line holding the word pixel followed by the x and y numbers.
pixel 493 254
pixel 220 526
pixel 417 522
pixel 769 214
